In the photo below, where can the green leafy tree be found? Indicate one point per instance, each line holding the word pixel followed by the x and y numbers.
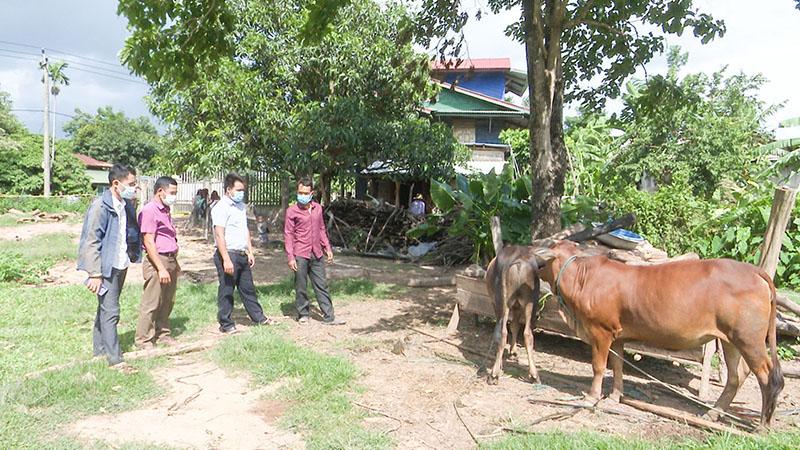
pixel 9 124
pixel 705 129
pixel 173 41
pixel 569 43
pixel 21 168
pixel 331 109
pixel 113 137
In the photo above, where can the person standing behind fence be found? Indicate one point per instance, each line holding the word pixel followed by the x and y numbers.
pixel 160 269
pixel 109 242
pixel 305 239
pixel 234 256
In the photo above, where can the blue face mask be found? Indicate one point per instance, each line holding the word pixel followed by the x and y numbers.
pixel 128 192
pixel 238 196
pixel 303 199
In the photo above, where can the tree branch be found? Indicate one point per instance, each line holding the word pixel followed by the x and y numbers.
pixel 602 26
pixel 580 14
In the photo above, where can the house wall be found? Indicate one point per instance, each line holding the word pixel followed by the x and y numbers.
pixel 492 84
pixel 487 131
pixel 463 130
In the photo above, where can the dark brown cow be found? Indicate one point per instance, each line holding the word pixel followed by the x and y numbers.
pixel 675 306
pixel 513 282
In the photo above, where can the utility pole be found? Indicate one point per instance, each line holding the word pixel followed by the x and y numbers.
pixel 46 131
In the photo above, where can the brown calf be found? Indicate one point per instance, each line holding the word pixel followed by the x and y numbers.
pixel 675 306
pixel 513 282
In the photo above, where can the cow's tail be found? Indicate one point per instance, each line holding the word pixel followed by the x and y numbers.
pixel 775 383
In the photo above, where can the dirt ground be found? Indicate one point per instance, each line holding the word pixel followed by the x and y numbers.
pixel 423 392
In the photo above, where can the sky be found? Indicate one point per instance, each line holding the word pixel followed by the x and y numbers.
pixel 758 40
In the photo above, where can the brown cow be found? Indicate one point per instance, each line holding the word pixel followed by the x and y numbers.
pixel 675 306
pixel 513 282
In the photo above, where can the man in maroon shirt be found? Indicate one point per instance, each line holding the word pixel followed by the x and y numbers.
pixel 305 239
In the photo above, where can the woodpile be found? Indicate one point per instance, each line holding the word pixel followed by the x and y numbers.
pixel 37 216
pixel 368 227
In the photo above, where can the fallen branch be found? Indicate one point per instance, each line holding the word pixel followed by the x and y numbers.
pixel 787 305
pixel 170 351
pixel 366 244
pixel 432 282
pixel 555 416
pixel 579 406
pixel 791 372
pixel 475 440
pixel 336 225
pixel 449 342
pixel 680 416
pixel 380 233
pixel 377 411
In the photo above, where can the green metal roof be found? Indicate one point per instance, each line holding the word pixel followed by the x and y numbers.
pixel 452 102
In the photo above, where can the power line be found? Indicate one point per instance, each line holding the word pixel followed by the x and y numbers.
pixel 130 80
pixel 52 50
pixel 40 111
pixel 16 57
pixel 73 63
pixel 104 74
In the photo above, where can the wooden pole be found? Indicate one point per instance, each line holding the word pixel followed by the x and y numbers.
pixel 782 205
pixel 681 416
pixel 497 234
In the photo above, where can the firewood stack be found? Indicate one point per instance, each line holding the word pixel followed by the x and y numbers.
pixel 366 226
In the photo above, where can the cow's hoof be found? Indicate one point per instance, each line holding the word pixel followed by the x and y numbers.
pixel 711 415
pixel 492 380
pixel 615 396
pixel 535 378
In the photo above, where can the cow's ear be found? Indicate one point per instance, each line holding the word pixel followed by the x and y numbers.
pixel 544 255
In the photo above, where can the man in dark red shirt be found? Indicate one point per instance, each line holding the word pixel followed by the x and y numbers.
pixel 305 240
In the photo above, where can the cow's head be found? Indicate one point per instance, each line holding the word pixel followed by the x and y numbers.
pixel 550 254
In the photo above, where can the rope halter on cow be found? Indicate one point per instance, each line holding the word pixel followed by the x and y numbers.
pixel 561 301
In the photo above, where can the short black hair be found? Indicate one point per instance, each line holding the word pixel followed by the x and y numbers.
pixel 119 172
pixel 231 179
pixel 164 183
pixel 305 181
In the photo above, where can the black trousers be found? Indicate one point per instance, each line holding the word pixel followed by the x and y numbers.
pixel 242 279
pixel 315 268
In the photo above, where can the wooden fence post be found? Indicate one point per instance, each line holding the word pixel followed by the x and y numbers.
pixel 782 206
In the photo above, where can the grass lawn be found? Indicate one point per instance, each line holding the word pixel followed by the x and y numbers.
pixel 25 261
pixel 45 326
pixel 317 386
pixel 590 441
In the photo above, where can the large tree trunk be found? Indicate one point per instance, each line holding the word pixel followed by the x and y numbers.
pixel 551 220
pixel 542 48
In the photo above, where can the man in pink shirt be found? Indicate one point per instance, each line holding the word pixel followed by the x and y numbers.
pixel 160 268
pixel 305 240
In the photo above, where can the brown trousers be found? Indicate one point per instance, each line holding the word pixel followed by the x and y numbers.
pixel 157 301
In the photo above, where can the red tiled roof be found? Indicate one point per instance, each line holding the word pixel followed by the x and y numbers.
pixel 473 64
pixel 92 163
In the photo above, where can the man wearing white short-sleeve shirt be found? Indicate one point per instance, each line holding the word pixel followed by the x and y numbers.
pixel 234 256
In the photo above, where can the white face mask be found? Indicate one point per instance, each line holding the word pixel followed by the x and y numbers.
pixel 127 192
pixel 170 200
